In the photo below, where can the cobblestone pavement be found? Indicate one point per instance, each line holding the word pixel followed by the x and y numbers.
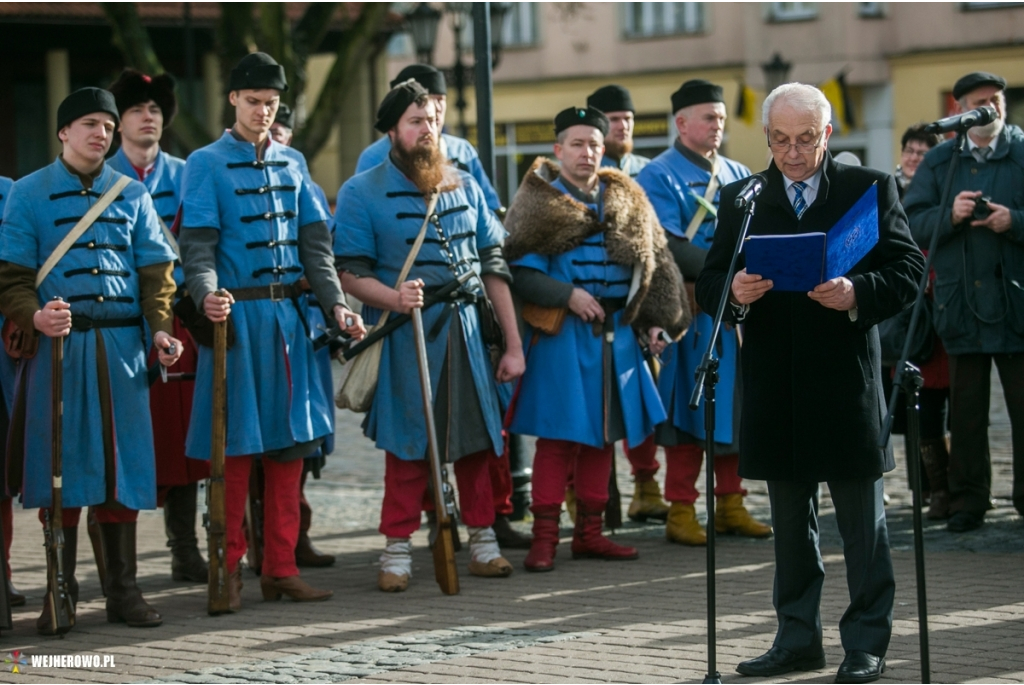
pixel 588 621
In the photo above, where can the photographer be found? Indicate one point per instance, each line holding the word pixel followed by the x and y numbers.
pixel 979 288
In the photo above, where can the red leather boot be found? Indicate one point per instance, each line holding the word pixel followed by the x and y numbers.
pixel 587 541
pixel 545 539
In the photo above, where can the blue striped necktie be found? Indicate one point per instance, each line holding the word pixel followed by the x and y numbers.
pixel 799 204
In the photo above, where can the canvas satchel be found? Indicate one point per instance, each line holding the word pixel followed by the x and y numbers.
pixel 360 386
pixel 18 343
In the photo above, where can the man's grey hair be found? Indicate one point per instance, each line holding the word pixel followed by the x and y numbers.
pixel 966 107
pixel 800 96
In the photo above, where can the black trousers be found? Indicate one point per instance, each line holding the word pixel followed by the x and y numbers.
pixel 970 464
pixel 800 573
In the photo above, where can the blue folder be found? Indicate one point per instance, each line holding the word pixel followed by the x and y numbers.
pixel 803 261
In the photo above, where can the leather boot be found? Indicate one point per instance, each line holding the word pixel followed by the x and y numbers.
pixel 309 556
pixel 732 518
pixel 125 603
pixel 17 598
pixel 235 589
pixel 587 540
pixel 570 503
pixel 682 526
pixel 509 537
pixel 93 529
pixel 180 525
pixel 936 463
pixel 545 539
pixel 292 586
pixel 43 623
pixel 647 502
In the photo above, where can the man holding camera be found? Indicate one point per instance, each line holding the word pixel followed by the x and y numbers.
pixel 979 288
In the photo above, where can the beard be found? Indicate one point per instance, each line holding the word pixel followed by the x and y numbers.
pixel 618 149
pixel 989 130
pixel 423 164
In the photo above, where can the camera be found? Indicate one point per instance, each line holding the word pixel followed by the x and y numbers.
pixel 981 208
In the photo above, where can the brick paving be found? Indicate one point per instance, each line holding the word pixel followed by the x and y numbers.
pixel 588 621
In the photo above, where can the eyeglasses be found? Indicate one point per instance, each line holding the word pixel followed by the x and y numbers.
pixel 802 148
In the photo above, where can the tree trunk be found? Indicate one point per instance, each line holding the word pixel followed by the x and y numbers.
pixel 235 39
pixel 276 41
pixel 351 55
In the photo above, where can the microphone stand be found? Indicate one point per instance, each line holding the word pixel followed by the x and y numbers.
pixel 707 379
pixel 908 378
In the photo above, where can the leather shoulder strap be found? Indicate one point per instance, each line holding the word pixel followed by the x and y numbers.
pixel 170 238
pixel 83 224
pixel 415 250
pixel 709 195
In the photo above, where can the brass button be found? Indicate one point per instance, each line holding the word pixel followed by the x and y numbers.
pixel 95 272
pixel 267 215
pixel 271 244
pixel 84 191
pixel 99 298
pixel 91 245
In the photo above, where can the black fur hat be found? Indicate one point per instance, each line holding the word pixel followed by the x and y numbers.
pixel 134 87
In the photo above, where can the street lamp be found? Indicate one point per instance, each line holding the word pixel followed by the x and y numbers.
pixel 776 72
pixel 423 22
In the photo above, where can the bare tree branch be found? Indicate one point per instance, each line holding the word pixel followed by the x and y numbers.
pixel 235 39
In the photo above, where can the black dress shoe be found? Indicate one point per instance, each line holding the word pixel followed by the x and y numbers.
pixel 860 667
pixel 963 521
pixel 777 661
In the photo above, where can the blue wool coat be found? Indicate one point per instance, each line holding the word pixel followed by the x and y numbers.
pixel 275 395
pixel 379 214
pixel 561 395
pixel 458 150
pixel 41 209
pixel 630 164
pixel 163 182
pixel 8 367
pixel 673 183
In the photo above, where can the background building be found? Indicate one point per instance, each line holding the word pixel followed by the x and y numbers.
pixel 899 62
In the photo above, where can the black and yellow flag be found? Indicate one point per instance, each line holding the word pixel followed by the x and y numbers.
pixel 838 95
pixel 745 105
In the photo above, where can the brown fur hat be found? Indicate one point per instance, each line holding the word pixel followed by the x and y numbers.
pixel 134 87
pixel 546 221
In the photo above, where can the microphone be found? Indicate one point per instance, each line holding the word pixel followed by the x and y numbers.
pixel 962 122
pixel 751 190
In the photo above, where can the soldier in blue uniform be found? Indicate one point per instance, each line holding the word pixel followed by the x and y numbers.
pixel 379 213
pixel 682 185
pixel 459 150
pixel 617 104
pixel 8 372
pixel 147 106
pixel 118 273
pixel 252 225
pixel 586 240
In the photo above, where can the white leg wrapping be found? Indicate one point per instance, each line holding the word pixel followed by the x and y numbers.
pixel 483 545
pixel 397 557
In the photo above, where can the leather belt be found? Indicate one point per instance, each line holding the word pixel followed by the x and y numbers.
pixel 82 323
pixel 275 292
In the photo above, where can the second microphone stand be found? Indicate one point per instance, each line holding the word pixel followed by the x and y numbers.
pixel 707 379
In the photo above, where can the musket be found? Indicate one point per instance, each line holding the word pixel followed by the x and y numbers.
pixel 62 607
pixel 215 518
pixel 394 322
pixel 445 572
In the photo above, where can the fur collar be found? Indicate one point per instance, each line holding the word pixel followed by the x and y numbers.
pixel 544 220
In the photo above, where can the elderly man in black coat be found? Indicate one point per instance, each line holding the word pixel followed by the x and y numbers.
pixel 813 406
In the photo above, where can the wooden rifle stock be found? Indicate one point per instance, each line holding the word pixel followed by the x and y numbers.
pixel 445 571
pixel 216 523
pixel 62 608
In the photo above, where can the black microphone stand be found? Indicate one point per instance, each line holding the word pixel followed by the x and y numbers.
pixel 908 379
pixel 707 379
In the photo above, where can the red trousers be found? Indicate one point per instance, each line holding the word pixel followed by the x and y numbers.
pixel 280 512
pixel 405 493
pixel 556 461
pixel 70 515
pixel 501 483
pixel 683 468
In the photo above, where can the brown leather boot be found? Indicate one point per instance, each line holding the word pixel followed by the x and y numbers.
pixel 235 589
pixel 587 540
pixel 187 562
pixel 125 603
pixel 292 586
pixel 509 537
pixel 545 539
pixel 44 624
pixel 307 555
pixel 936 462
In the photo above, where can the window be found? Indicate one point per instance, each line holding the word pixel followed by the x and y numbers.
pixel 401 45
pixel 792 11
pixel 647 19
pixel 871 10
pixel 520 27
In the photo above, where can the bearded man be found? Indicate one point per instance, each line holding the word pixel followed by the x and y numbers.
pixel 617 104
pixel 379 215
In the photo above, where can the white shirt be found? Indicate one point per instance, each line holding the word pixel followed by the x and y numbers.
pixel 810 192
pixel 972 146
